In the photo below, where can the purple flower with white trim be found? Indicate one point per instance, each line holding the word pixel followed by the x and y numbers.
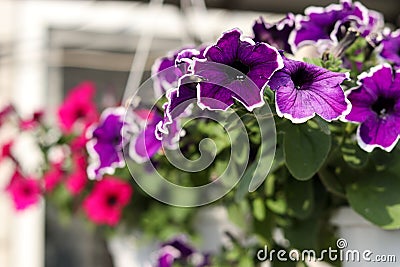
pixel 256 61
pixel 329 23
pixel 179 250
pixel 145 142
pixel 303 90
pixel 376 106
pixel 167 70
pixel 105 146
pixel 391 48
pixel 276 34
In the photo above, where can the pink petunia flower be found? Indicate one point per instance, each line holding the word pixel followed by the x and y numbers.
pixel 25 192
pixel 5 151
pixel 32 122
pixel 53 177
pixel 78 109
pixel 105 203
pixel 78 179
pixel 5 112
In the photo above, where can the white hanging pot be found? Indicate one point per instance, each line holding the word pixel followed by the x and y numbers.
pixel 364 244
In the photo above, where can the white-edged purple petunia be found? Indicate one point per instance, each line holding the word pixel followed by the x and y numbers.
pixel 275 34
pixel 145 143
pixel 167 70
pixel 330 23
pixel 376 106
pixel 106 143
pixel 303 90
pixel 255 62
pixel 391 48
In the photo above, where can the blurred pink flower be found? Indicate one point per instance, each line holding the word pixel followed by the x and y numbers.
pixel 24 191
pixel 78 107
pixel 5 151
pixel 77 180
pixel 32 122
pixel 105 203
pixel 53 177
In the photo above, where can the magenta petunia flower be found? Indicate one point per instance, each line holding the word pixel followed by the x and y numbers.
pixel 257 61
pixel 77 180
pixel 32 122
pixel 5 151
pixel 106 144
pixel 53 177
pixel 303 90
pixel 276 34
pixel 105 203
pixel 25 192
pixel 328 23
pixel 391 48
pixel 78 108
pixel 376 106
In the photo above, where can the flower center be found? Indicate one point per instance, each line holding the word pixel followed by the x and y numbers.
pixel 299 78
pixel 27 191
pixel 241 67
pixel 383 106
pixel 112 200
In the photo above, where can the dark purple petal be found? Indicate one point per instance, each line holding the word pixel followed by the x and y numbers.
pixel 225 51
pixel 276 34
pixel 376 132
pixel 303 90
pixel 167 256
pixel 181 244
pixel 391 48
pixel 376 105
pixel 324 23
pixel 105 146
pixel 146 144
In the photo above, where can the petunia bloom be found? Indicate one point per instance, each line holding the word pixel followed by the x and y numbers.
pixel 105 203
pixel 376 106
pixel 276 34
pixel 327 23
pixel 24 191
pixel 32 122
pixel 106 144
pixel 77 179
pixel 254 64
pixel 178 250
pixel 303 90
pixel 391 48
pixel 145 142
pixel 167 70
pixel 5 151
pixel 53 177
pixel 78 108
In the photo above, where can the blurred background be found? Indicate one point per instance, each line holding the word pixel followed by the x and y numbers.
pixel 47 47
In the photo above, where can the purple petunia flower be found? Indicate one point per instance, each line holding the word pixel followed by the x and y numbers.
pixel 330 23
pixel 303 90
pixel 145 143
pixel 167 70
pixel 376 106
pixel 391 48
pixel 179 250
pixel 257 61
pixel 105 146
pixel 276 34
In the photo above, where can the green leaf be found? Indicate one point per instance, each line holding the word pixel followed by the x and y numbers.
pixel 353 154
pixel 375 196
pixel 259 209
pixel 243 185
pixel 300 198
pixel 305 150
